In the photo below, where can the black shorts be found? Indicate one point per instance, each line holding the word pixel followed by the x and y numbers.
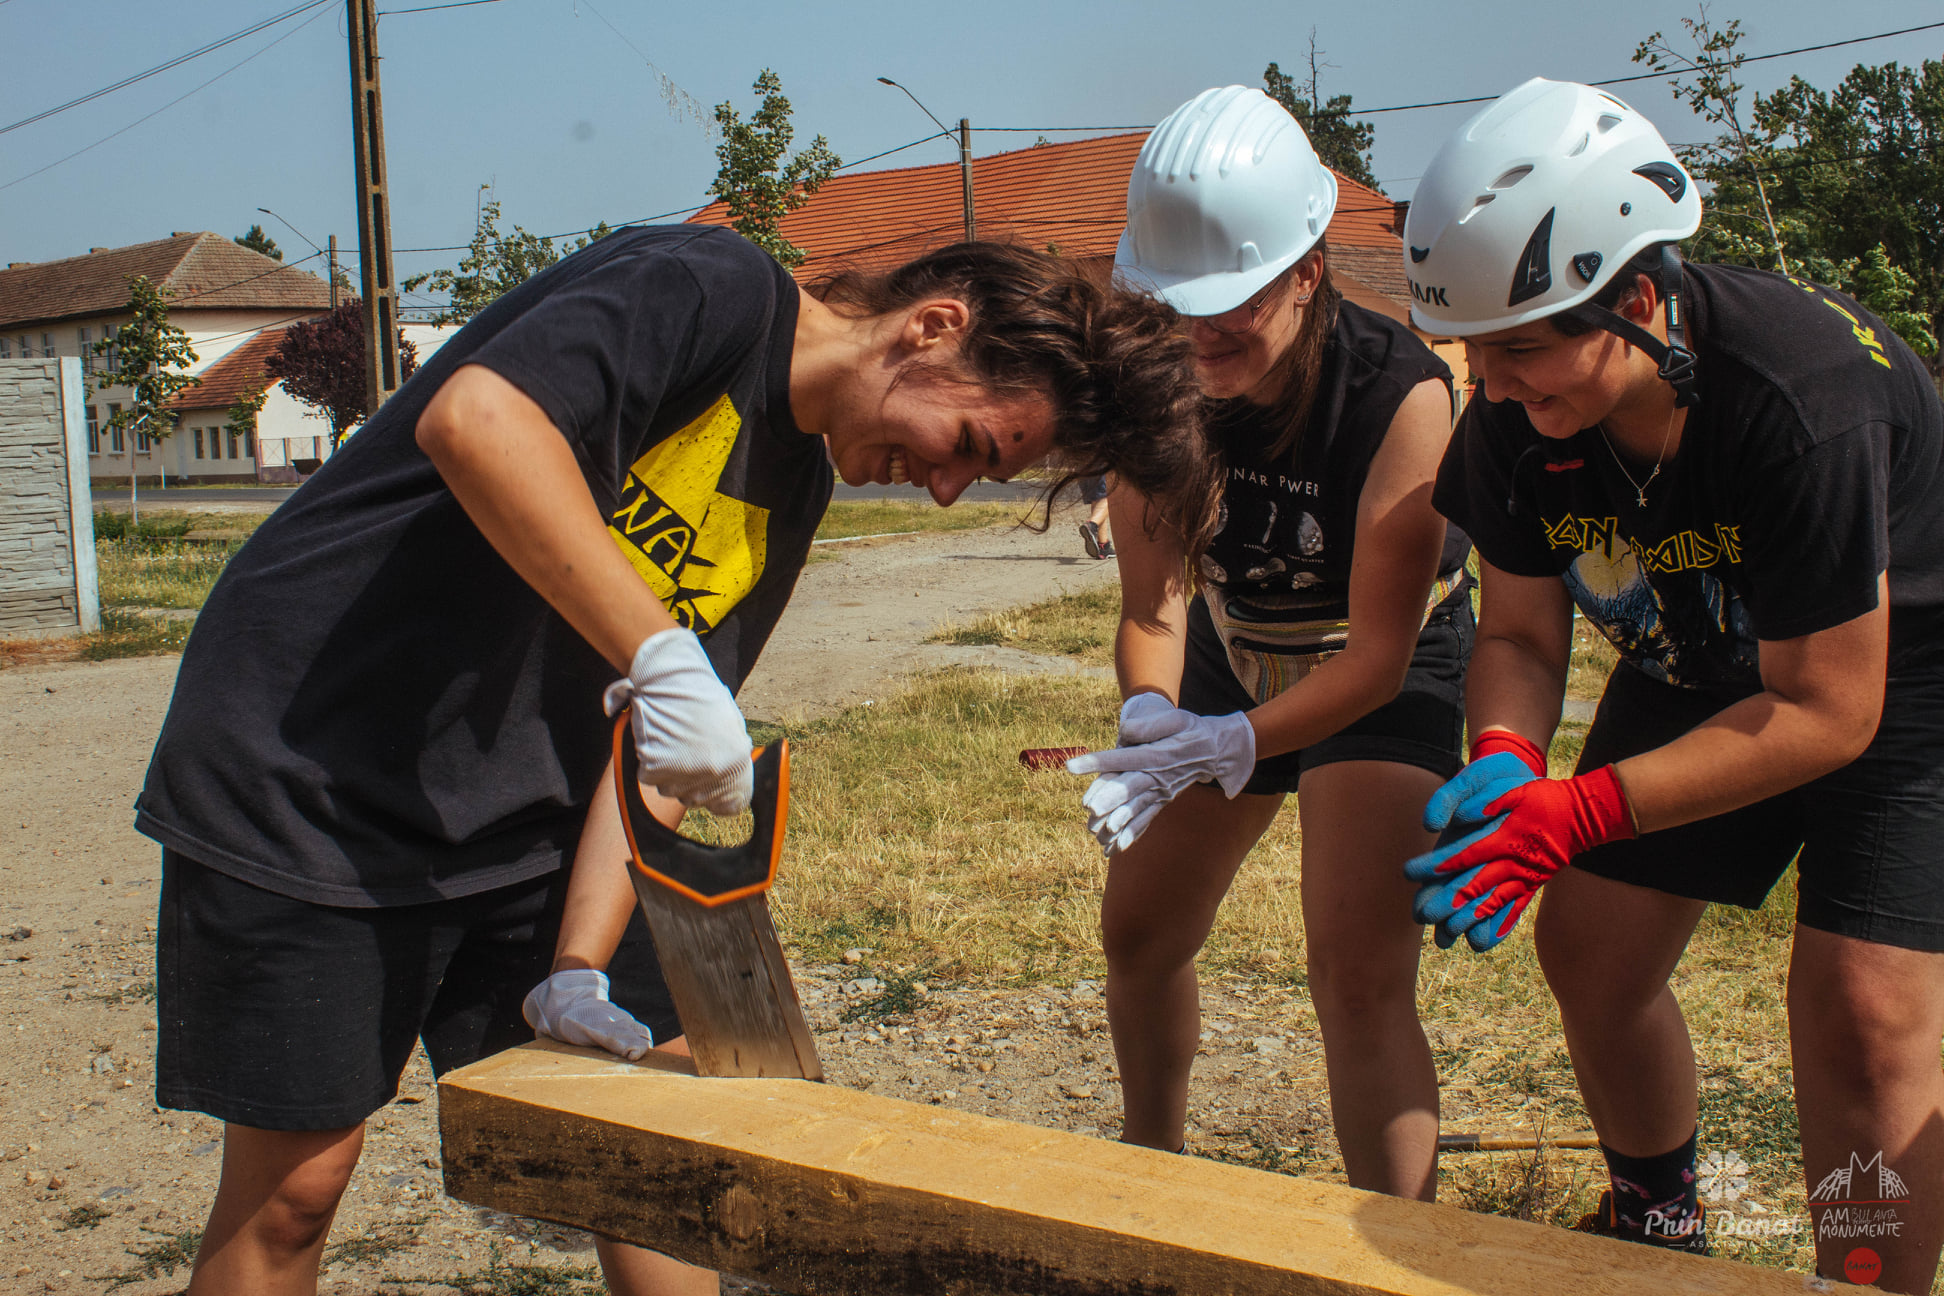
pixel 1868 839
pixel 1424 725
pixel 282 1014
pixel 1093 489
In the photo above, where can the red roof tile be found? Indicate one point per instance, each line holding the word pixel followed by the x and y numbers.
pixel 239 372
pixel 1071 195
pixel 204 271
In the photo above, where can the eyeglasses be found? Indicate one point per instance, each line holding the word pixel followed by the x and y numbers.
pixel 1239 319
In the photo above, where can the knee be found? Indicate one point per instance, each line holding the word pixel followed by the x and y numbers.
pixel 300 1210
pixel 1141 945
pixel 1350 982
pixel 1869 1043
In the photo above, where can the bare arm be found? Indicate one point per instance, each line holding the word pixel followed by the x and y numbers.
pixel 1149 644
pixel 1399 537
pixel 600 895
pixel 1821 699
pixel 516 477
pixel 1518 667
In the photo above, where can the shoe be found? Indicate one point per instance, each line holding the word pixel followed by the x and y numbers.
pixel 1106 548
pixel 1090 537
pixel 1605 1222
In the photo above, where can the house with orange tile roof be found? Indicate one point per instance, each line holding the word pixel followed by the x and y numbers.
pixel 221 294
pixel 1070 198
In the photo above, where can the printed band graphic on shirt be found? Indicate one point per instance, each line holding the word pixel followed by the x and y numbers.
pixel 1626 588
pixel 700 551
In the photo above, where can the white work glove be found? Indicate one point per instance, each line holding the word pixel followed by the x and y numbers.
pixel 690 736
pixel 1149 717
pixel 573 1007
pixel 1137 781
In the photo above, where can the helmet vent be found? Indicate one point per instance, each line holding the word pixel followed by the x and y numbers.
pixel 1510 178
pixel 1580 147
pixel 1606 123
pixel 1666 175
pixel 1534 274
pixel 1480 204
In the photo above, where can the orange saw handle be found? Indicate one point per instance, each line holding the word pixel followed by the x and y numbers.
pixel 708 875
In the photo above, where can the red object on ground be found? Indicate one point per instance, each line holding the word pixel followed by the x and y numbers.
pixel 1046 758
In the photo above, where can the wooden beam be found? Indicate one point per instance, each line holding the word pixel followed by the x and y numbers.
pixel 820 1189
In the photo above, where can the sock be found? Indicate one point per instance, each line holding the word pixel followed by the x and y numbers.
pixel 1657 1197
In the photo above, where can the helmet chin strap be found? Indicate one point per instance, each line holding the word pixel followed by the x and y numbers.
pixel 1676 362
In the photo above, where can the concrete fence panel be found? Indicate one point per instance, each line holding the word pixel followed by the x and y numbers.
pixel 48 581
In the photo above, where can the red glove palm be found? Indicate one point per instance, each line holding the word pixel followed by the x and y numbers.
pixel 1536 830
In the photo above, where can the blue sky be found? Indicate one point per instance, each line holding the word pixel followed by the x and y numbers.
pixel 547 101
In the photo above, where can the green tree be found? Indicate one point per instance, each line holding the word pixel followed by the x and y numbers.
pixel 257 241
pixel 243 411
pixel 1705 81
pixel 1341 142
pixel 754 179
pixel 494 263
pixel 150 357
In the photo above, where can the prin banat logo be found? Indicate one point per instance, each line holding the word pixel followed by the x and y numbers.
pixel 1722 1179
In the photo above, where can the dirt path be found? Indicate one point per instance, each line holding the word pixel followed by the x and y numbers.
pixel 99 1189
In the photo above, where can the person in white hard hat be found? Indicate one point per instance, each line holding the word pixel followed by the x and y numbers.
pixel 1321 652
pixel 1739 479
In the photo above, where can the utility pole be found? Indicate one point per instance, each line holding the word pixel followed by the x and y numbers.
pixel 333 260
pixel 965 179
pixel 374 218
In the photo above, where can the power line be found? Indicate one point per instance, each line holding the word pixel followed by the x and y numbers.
pixel 1452 103
pixel 173 102
pixel 888 152
pixel 177 61
pixel 454 4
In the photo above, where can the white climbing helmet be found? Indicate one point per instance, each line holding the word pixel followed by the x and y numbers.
pixel 1226 195
pixel 1534 204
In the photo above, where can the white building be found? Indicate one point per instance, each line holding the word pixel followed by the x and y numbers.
pixel 223 296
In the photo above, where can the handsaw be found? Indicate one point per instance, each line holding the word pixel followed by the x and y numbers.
pixel 710 919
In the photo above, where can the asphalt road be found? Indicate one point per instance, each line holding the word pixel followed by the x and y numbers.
pixel 228 498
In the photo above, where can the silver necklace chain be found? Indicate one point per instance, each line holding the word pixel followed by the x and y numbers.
pixel 1640 487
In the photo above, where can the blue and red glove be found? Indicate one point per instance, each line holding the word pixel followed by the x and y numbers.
pixel 1479 879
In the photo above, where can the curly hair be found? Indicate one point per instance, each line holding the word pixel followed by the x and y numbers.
pixel 1115 365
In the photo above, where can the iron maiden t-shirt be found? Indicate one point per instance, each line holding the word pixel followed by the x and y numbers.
pixel 1814 461
pixel 374 709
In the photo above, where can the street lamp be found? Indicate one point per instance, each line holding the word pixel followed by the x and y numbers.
pixel 965 157
pixel 330 256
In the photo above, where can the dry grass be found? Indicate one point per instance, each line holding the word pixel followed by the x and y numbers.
pixel 154 563
pixel 916 833
pixel 878 517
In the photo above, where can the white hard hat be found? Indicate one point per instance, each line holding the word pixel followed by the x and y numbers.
pixel 1534 204
pixel 1226 195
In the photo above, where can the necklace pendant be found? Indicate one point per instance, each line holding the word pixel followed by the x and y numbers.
pixel 1640 500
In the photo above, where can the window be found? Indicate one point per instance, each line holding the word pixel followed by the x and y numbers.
pixel 26 352
pixel 84 337
pixel 142 443
pixel 6 348
pixel 94 432
pixel 249 444
pixel 232 443
pixel 47 345
pixel 199 443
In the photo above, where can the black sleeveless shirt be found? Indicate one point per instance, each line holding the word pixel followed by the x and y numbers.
pixel 1289 524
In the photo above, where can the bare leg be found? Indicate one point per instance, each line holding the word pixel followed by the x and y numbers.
pixel 1101 519
pixel 1865 1023
pixel 1360 823
pixel 1607 949
pixel 274 1205
pixel 636 1271
pixel 1161 900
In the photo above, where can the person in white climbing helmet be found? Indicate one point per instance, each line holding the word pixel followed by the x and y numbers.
pixel 1738 478
pixel 1322 650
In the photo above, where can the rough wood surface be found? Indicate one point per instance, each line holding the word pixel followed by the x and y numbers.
pixel 830 1191
pixel 726 973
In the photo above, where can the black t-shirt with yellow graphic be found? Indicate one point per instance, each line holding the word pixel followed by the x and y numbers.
pixel 1814 461
pixel 374 709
